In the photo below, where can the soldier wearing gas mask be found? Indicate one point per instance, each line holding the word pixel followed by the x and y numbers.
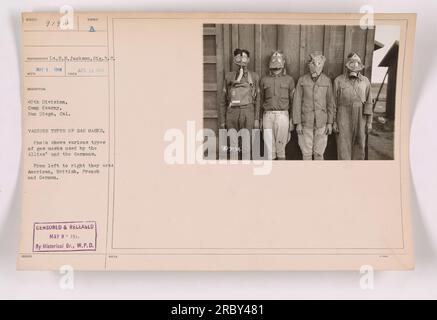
pixel 354 112
pixel 313 109
pixel 277 91
pixel 240 106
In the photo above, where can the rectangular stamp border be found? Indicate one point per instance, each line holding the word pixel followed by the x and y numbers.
pixel 64 251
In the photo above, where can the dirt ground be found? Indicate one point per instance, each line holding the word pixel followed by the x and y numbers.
pixel 381 140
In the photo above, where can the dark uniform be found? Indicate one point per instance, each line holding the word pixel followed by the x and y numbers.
pixel 240 106
pixel 234 112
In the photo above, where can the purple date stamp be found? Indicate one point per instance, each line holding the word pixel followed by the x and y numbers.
pixel 76 236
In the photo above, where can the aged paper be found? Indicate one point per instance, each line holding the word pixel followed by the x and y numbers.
pixel 114 171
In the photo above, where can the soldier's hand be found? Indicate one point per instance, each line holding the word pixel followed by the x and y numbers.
pixel 369 128
pixel 256 124
pixel 335 127
pixel 291 126
pixel 299 129
pixel 328 130
pixel 223 126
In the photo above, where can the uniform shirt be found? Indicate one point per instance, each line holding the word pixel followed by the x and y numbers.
pixel 277 92
pixel 313 103
pixel 229 79
pixel 350 92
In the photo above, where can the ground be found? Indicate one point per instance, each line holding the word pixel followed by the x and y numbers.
pixel 381 146
pixel 381 143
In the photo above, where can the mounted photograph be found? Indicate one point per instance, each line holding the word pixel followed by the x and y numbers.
pixel 300 92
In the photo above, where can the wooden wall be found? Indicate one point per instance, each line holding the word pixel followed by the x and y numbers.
pixel 295 41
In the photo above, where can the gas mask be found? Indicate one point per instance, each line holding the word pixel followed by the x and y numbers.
pixel 241 59
pixel 316 64
pixel 354 65
pixel 277 62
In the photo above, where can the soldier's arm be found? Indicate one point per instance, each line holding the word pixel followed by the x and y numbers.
pixel 223 104
pixel 257 98
pixel 297 103
pixel 368 105
pixel 336 97
pixel 330 103
pixel 292 91
pixel 261 97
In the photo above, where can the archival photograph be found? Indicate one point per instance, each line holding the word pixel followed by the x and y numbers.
pixel 300 92
pixel 253 142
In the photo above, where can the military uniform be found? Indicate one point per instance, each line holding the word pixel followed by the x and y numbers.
pixel 354 103
pixel 240 105
pixel 277 99
pixel 313 108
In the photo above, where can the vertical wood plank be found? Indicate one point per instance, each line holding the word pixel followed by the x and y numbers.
pixel 355 41
pixel 312 40
pixel 246 40
pixel 368 59
pixel 315 39
pixel 334 50
pixel 219 64
pixel 227 48
pixel 234 40
pixel 258 55
pixel 368 62
pixel 359 38
pixel 302 50
pixel 347 42
pixel 288 43
pixel 269 42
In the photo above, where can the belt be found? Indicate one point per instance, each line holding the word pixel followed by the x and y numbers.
pixel 242 107
pixel 277 111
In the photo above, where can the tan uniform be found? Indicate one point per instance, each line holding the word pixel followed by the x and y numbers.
pixel 354 105
pixel 313 107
